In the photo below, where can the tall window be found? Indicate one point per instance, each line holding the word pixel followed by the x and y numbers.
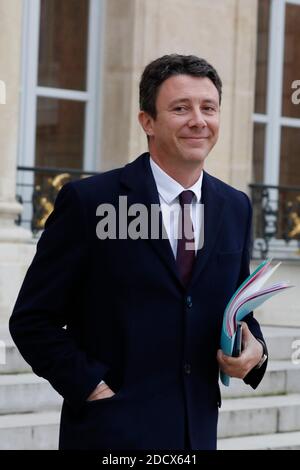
pixel 61 79
pixel 276 146
pixel 290 129
pixel 60 98
pixel 62 66
pixel 277 119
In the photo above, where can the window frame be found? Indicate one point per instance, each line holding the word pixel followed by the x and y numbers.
pixel 30 91
pixel 273 118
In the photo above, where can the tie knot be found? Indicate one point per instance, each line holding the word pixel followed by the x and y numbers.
pixel 186 197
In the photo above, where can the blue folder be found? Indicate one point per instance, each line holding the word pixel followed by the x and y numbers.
pixel 245 306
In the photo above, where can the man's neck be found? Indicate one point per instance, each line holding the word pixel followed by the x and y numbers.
pixel 186 176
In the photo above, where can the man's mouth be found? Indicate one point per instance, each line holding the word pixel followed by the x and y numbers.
pixel 195 137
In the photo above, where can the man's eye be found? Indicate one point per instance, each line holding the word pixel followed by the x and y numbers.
pixel 179 109
pixel 209 109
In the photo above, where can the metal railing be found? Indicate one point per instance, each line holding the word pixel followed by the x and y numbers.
pixel 37 188
pixel 276 221
pixel 276 209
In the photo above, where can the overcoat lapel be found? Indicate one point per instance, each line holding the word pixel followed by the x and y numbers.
pixel 138 178
pixel 214 204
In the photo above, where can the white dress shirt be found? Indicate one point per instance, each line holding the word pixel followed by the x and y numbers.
pixel 169 190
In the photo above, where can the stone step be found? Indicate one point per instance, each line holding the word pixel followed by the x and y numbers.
pixel 279 441
pixel 274 416
pixel 259 415
pixel 36 431
pixel 282 342
pixel 281 377
pixel 32 431
pixel 26 390
pixel 27 393
pixel 11 361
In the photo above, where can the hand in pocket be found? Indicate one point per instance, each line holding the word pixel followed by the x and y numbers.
pixel 101 391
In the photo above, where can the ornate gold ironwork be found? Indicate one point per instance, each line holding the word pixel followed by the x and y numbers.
pixel 44 197
pixel 294 217
pixel 276 216
pixel 40 197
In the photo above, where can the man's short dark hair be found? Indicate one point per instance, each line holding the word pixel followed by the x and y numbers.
pixel 166 66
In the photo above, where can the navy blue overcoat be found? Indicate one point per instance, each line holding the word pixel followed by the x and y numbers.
pixel 116 310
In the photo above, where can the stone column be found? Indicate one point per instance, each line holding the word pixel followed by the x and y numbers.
pixel 13 239
pixel 243 95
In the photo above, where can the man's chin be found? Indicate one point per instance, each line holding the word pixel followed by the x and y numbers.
pixel 195 156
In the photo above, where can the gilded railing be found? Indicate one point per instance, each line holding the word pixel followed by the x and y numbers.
pixel 37 189
pixel 276 220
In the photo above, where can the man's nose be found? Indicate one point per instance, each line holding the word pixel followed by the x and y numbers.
pixel 197 119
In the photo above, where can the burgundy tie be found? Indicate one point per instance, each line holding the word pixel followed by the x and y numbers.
pixel 186 243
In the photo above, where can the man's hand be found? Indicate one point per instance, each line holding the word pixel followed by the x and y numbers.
pixel 249 358
pixel 101 391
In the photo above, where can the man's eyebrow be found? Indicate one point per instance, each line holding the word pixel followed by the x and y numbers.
pixel 188 100
pixel 180 100
pixel 210 101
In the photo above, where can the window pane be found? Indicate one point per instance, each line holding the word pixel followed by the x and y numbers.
pixel 291 59
pixel 262 55
pixel 60 133
pixel 289 156
pixel 63 44
pixel 258 152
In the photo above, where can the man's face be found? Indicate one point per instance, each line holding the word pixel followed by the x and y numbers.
pixel 187 122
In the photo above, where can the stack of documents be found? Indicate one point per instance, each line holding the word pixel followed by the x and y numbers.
pixel 249 296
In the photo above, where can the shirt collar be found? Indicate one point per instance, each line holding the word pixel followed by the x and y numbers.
pixel 168 188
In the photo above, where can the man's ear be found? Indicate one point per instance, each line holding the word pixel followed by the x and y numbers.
pixel 146 122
